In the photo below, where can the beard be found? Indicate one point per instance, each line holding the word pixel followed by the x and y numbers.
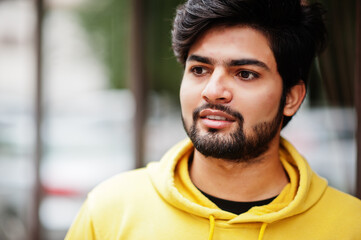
pixel 234 146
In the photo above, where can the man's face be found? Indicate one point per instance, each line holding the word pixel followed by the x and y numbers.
pixel 231 93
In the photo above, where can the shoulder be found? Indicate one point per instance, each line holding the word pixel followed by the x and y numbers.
pixel 344 200
pixel 120 186
pixel 114 203
pixel 338 212
pixel 125 192
pixel 341 207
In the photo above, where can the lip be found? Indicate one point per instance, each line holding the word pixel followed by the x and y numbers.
pixel 207 112
pixel 219 119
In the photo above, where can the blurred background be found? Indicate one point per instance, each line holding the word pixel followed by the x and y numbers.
pixel 89 89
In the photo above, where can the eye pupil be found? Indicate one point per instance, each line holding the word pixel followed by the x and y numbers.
pixel 245 74
pixel 198 70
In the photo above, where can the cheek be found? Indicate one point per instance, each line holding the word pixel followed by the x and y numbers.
pixel 259 106
pixel 188 100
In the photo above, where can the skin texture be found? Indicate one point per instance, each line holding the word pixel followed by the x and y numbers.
pixel 234 66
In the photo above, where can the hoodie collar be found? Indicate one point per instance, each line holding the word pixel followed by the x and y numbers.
pixel 171 179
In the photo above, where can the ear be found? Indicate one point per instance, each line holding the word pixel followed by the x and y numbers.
pixel 294 99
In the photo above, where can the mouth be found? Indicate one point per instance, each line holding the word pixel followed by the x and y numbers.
pixel 216 119
pixel 216 115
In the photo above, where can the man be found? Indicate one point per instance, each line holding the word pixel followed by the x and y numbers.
pixel 245 71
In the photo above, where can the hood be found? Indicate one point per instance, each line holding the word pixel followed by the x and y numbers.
pixel 171 180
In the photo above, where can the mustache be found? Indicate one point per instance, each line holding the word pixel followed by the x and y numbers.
pixel 238 116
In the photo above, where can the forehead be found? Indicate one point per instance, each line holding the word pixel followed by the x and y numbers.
pixel 227 43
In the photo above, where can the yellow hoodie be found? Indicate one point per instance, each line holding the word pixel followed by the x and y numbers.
pixel 161 203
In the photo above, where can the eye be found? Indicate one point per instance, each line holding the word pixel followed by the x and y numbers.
pixel 247 75
pixel 199 71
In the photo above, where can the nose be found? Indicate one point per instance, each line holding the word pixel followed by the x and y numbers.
pixel 217 90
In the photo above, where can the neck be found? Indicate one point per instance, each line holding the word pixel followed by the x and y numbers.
pixel 254 180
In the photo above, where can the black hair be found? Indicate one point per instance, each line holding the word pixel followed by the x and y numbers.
pixel 295 30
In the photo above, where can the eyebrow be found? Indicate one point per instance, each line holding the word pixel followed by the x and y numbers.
pixel 200 59
pixel 231 63
pixel 246 61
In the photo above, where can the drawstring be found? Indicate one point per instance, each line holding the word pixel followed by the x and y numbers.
pixel 211 227
pixel 261 232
